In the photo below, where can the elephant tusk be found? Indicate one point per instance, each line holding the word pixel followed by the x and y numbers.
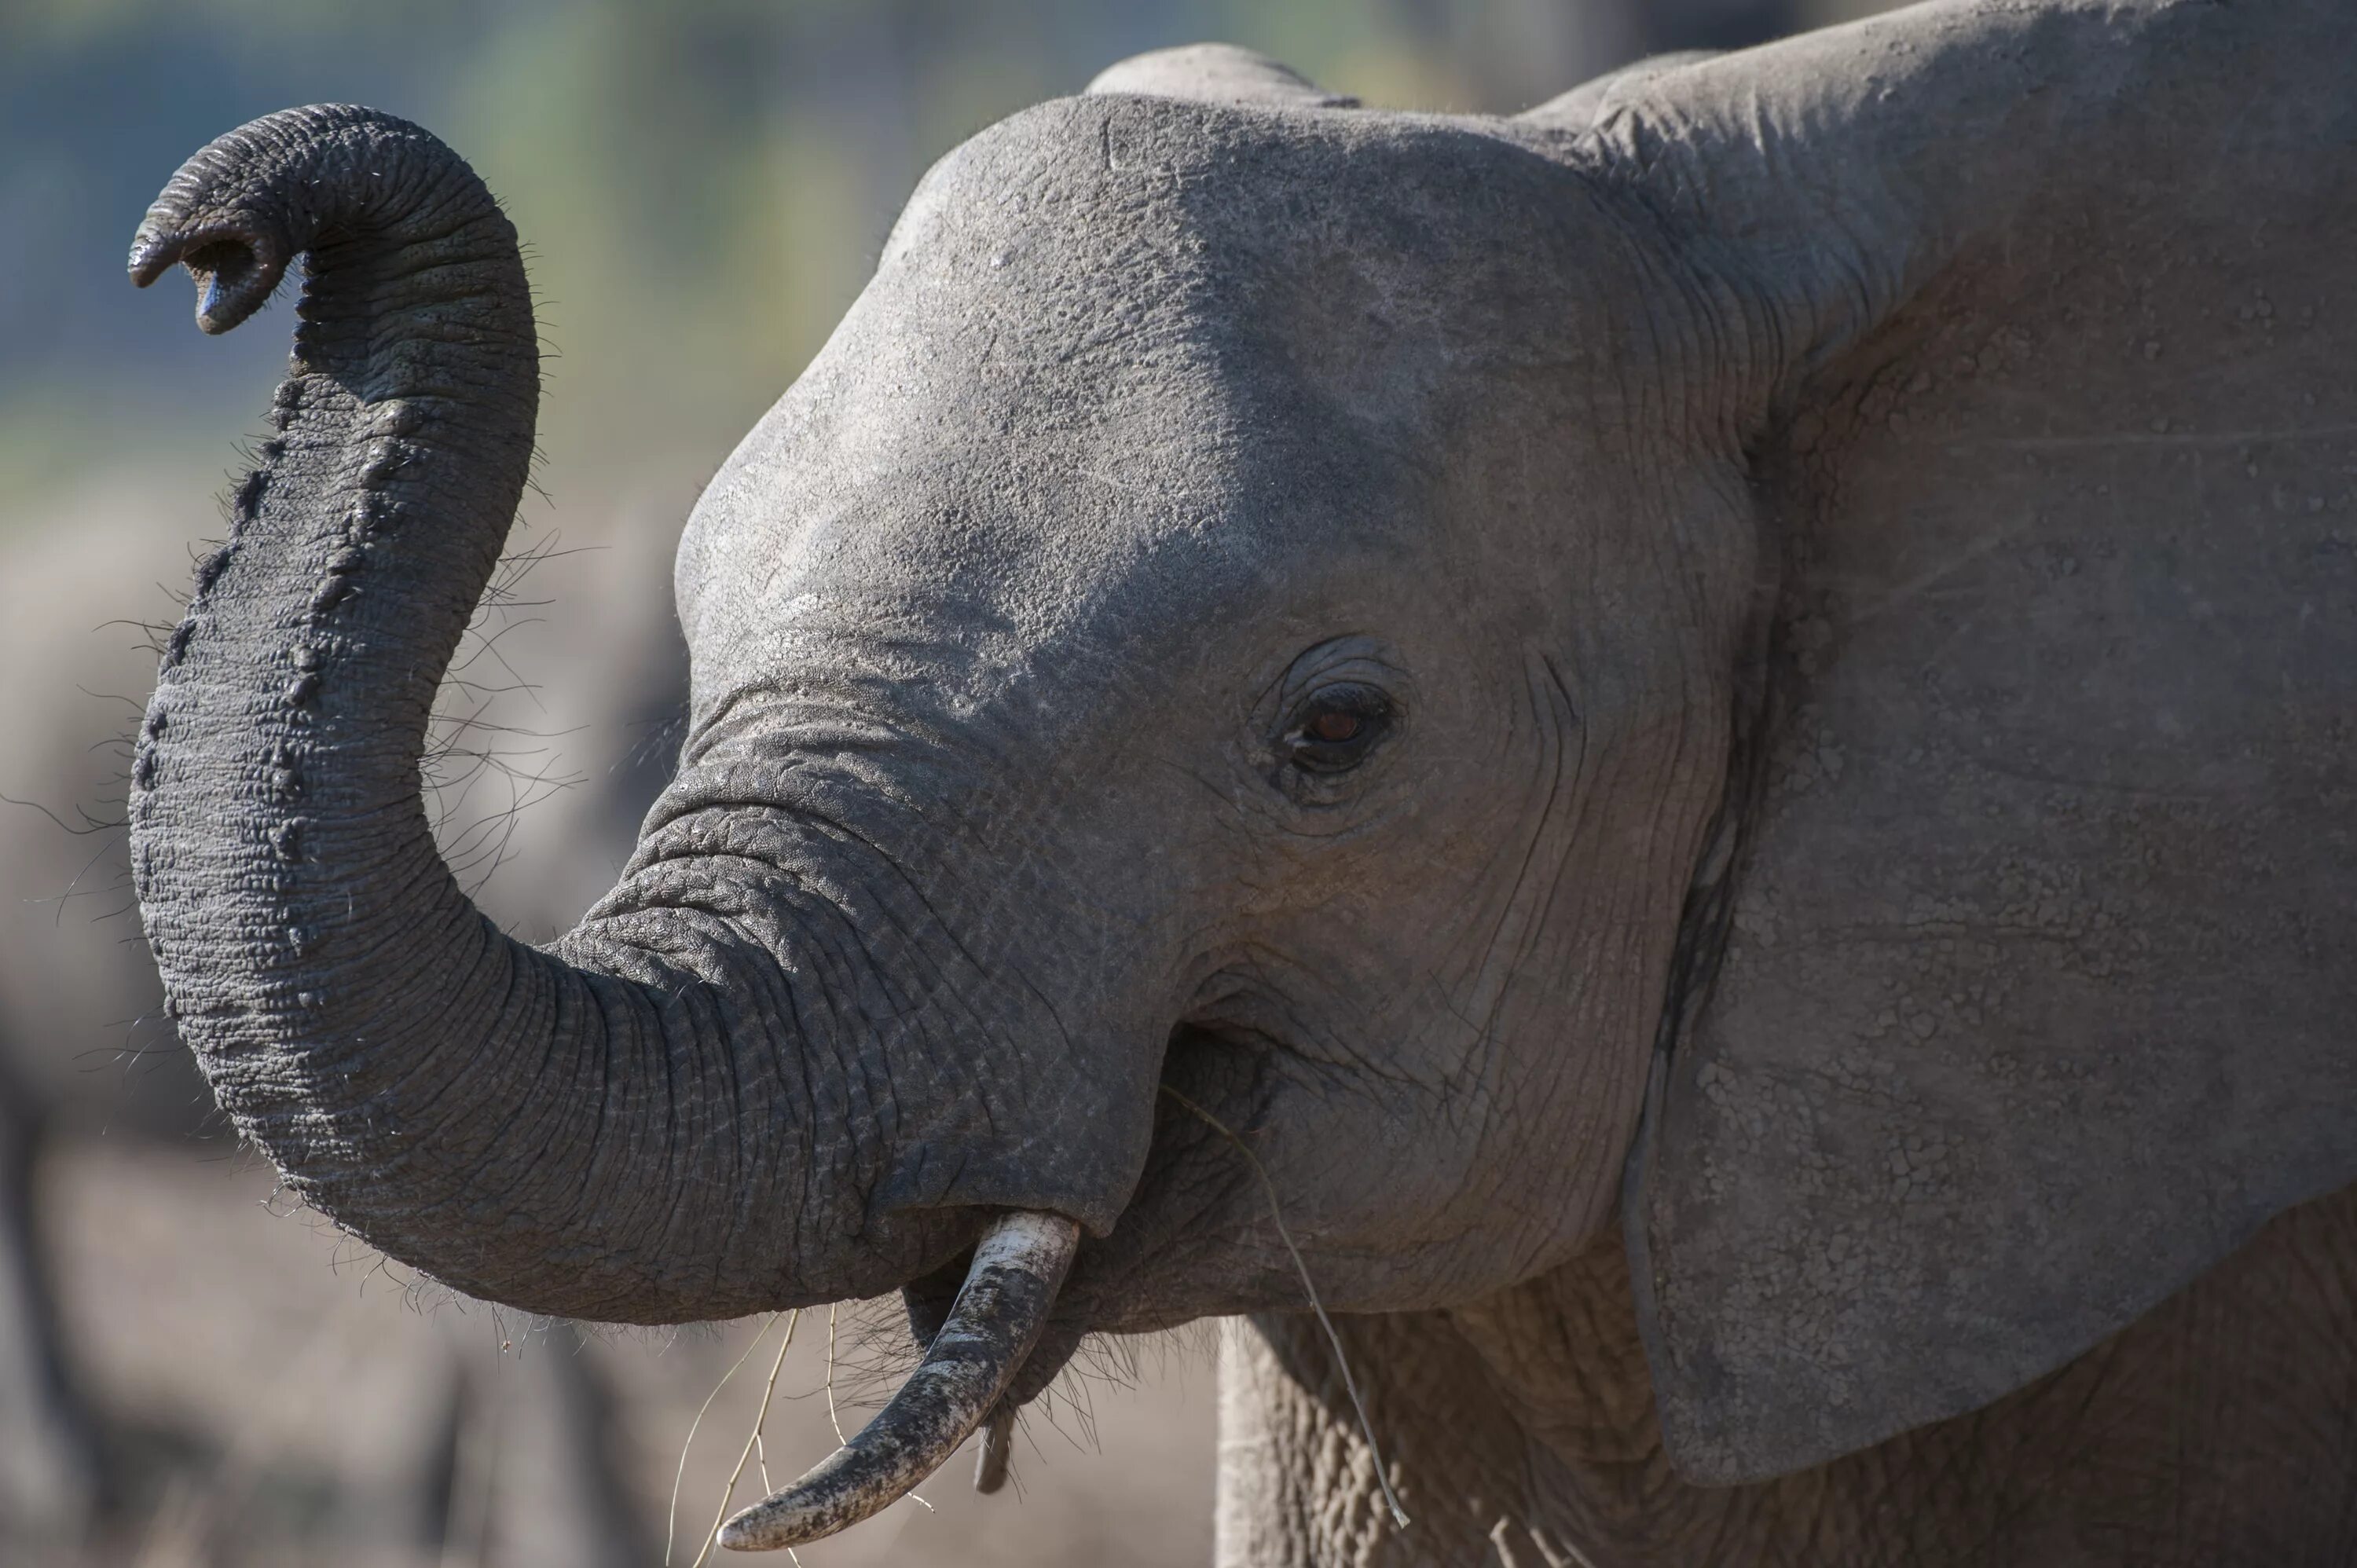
pixel 1017 1268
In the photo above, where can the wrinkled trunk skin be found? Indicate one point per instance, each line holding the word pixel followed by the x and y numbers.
pixel 612 1134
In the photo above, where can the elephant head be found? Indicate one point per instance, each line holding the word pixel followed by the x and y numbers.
pixel 1281 644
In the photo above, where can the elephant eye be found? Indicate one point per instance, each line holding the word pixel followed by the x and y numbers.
pixel 1334 727
pixel 1338 727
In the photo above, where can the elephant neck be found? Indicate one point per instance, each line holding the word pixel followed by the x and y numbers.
pixel 1521 1428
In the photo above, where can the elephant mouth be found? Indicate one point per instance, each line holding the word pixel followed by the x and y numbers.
pixel 1001 1322
pixel 1175 1254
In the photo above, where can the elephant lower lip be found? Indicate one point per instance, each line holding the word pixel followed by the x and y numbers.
pixel 968 1369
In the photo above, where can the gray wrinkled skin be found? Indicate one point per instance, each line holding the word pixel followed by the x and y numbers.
pixel 1130 446
pixel 1839 548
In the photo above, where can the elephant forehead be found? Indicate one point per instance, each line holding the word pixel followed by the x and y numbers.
pixel 1138 361
pixel 956 524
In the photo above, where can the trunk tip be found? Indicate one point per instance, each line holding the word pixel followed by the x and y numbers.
pixel 237 267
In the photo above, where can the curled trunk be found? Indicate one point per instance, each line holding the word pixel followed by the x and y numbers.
pixel 538 1129
pixel 662 1118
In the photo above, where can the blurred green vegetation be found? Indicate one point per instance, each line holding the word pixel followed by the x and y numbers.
pixel 703 184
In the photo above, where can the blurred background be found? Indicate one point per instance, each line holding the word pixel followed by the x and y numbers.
pixel 191 1372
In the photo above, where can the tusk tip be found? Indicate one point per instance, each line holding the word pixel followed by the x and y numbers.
pixel 738 1536
pixel 778 1523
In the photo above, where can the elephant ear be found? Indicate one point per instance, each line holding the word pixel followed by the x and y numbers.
pixel 2039 960
pixel 1216 73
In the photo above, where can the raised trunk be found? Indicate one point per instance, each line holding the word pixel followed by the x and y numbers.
pixel 537 1131
pixel 637 1125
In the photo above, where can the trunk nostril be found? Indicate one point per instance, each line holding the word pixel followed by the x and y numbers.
pixel 231 284
pixel 221 257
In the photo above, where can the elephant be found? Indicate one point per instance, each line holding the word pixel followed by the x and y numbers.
pixel 1659 787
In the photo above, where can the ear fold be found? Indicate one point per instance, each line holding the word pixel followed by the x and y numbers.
pixel 1216 73
pixel 2037 992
